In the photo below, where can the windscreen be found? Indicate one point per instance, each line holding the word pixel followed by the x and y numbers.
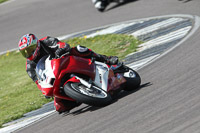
pixel 40 69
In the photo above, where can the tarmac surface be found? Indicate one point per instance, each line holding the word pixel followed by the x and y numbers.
pixel 170 102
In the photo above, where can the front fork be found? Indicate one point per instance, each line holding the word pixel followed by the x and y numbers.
pixel 78 79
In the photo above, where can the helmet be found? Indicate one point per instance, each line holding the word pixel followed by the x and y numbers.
pixel 29 46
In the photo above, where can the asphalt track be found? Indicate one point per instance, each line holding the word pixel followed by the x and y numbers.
pixel 169 103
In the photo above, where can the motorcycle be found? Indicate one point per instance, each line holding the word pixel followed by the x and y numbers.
pixel 84 80
pixel 101 5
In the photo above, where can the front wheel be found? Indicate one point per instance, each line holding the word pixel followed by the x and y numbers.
pixel 94 96
pixel 133 80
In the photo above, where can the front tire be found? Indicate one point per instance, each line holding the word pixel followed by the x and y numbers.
pixel 93 96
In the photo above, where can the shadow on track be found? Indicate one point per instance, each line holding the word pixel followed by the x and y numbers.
pixel 126 93
pixel 185 1
pixel 116 98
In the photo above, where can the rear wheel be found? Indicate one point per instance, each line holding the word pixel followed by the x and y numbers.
pixel 94 96
pixel 133 80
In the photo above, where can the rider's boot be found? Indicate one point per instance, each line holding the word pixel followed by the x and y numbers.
pixel 111 60
pixel 64 106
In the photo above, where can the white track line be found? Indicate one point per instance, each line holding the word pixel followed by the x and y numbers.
pixel 166 38
pixel 157 26
pixel 111 29
pixel 136 65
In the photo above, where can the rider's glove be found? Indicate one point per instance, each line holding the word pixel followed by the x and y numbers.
pixel 60 51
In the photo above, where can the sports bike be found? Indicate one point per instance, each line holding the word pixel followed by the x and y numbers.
pixel 84 80
pixel 101 5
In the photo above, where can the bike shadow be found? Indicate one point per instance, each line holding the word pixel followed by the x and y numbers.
pixel 185 1
pixel 120 4
pixel 116 98
pixel 126 93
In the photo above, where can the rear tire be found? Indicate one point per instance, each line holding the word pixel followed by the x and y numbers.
pixel 93 96
pixel 133 80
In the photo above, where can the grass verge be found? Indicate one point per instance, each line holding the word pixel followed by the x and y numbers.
pixel 18 93
pixel 1 1
pixel 111 44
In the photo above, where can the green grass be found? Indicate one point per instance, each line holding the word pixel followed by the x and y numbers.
pixel 1 1
pixel 19 94
pixel 111 44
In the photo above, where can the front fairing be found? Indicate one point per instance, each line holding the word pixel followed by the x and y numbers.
pixel 51 71
pixel 40 68
pixel 45 76
pixel 74 64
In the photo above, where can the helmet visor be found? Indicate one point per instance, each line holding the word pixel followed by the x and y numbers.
pixel 28 51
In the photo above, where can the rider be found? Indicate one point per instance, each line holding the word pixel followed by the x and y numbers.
pixel 34 49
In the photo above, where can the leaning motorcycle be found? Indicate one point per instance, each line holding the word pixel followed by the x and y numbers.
pixel 84 80
pixel 101 5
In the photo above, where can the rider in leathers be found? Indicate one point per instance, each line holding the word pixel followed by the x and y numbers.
pixel 34 49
